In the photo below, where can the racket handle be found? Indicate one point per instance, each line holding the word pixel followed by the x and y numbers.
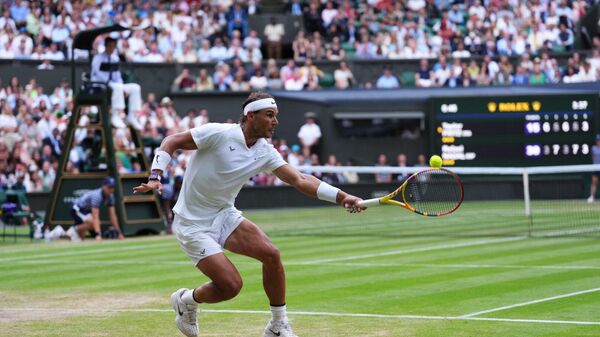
pixel 369 202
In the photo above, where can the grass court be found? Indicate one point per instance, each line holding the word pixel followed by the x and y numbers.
pixel 384 272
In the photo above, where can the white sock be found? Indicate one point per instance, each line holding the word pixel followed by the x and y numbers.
pixel 188 297
pixel 279 313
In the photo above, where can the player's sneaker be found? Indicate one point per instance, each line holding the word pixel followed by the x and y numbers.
pixel 72 233
pixel 590 199
pixel 279 329
pixel 186 314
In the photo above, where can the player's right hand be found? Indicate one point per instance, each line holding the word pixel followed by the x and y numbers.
pixel 149 186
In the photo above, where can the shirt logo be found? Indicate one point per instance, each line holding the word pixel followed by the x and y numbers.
pixel 231 148
pixel 273 102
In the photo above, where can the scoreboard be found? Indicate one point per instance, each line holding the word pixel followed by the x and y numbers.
pixel 514 130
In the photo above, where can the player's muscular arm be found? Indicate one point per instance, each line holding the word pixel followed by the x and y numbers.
pixel 308 184
pixel 179 141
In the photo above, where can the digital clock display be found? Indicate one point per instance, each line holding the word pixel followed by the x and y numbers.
pixel 514 130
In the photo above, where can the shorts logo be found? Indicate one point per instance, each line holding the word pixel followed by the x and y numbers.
pixel 203 251
pixel 231 148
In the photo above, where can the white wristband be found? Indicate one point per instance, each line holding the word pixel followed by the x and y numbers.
pixel 161 161
pixel 327 192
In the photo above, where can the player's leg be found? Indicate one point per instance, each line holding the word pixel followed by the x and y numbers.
pixel 249 240
pixel 225 281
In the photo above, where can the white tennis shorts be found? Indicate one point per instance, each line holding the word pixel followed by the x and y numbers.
pixel 202 238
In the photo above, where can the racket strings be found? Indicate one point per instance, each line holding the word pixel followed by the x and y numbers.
pixel 434 192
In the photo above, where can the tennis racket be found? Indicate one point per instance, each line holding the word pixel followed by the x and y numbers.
pixel 430 192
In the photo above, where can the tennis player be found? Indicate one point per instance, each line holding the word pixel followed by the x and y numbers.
pixel 206 220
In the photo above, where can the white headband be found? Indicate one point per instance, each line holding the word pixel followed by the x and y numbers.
pixel 260 104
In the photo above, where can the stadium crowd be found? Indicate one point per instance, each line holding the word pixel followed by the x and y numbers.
pixel 218 32
pixel 445 36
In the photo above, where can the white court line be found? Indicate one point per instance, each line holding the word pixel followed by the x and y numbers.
pixel 309 313
pixel 464 266
pixel 531 302
pixel 87 251
pixel 414 250
pixel 349 264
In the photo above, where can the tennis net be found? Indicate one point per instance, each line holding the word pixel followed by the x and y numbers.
pixel 533 201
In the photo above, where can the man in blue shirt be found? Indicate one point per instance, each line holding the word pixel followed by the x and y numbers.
pixel 387 80
pixel 86 211
pixel 105 70
pixel 19 12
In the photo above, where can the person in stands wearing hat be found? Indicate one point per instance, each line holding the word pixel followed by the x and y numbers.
pixel 595 174
pixel 105 69
pixel 86 211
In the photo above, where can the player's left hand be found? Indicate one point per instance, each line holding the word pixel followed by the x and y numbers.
pixel 351 204
pixel 149 186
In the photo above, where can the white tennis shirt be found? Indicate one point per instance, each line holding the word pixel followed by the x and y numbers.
pixel 220 167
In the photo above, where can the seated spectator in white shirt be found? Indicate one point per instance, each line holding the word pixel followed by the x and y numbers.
pixel 258 81
pixel 54 54
pixel 252 39
pixel 218 52
pixel 343 76
pixel 154 56
pixel 204 52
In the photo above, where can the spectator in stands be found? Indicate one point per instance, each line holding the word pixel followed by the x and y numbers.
pixel 537 77
pixel 310 72
pixel 586 73
pixel 184 82
pixel 187 54
pixel 334 51
pixel 424 77
pixel 570 76
pixel 222 78
pixel 343 76
pixel 300 47
pixel 105 69
pixel 274 33
pixel 204 82
pixel 382 177
pixel 86 211
pixel 316 50
pixel 312 18
pixel 387 80
pixel 521 77
pixel 258 81
pixel 237 20
pixel 401 162
pixel 365 48
pixel 252 40
pixel 309 135
pixel 332 177
pixel 239 82
pixel 203 52
pixel 218 52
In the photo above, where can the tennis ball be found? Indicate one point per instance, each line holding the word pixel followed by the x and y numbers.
pixel 435 161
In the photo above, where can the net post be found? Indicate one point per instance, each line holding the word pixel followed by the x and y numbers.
pixel 526 192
